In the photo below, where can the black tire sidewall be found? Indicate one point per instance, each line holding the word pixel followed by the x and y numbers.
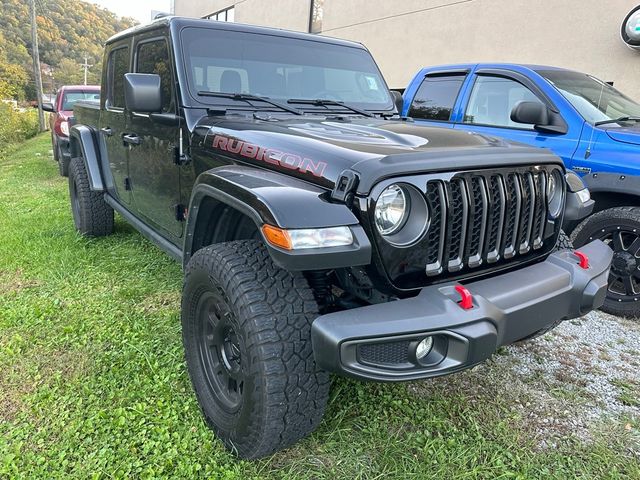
pixel 76 210
pixel 200 282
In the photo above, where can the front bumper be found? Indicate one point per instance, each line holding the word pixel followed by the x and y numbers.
pixel 378 342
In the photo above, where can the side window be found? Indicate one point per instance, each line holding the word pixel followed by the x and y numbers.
pixel 153 57
pixel 436 96
pixel 492 100
pixel 118 66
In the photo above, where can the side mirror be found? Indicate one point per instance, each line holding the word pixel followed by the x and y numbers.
pixel 142 92
pixel 532 113
pixel 397 100
pixel 48 107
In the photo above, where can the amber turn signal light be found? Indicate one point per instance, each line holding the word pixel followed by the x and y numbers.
pixel 277 237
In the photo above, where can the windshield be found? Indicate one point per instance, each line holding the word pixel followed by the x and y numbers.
pixel 70 98
pixel 281 69
pixel 594 99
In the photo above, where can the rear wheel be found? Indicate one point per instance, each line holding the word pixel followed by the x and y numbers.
pixel 620 229
pixel 246 326
pixel 92 216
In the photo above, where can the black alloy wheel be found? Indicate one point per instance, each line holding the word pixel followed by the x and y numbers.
pixel 620 229
pixel 220 351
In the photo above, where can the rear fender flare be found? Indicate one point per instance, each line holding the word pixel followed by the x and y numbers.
pixel 83 142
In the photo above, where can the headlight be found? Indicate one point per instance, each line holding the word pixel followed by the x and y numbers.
pixel 401 214
pixel 554 193
pixel 64 128
pixel 304 238
pixel 392 210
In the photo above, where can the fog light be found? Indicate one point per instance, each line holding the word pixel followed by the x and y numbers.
pixel 424 347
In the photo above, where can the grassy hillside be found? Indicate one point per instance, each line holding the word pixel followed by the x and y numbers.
pixel 68 30
pixel 93 384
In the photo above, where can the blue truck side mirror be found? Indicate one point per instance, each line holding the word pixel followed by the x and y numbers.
pixel 538 115
pixel 532 113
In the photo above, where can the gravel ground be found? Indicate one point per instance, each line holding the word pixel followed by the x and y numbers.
pixel 584 375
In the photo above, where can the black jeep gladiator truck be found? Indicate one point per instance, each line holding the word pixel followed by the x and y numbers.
pixel 319 231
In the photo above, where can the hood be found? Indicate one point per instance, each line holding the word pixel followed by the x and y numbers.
pixel 625 134
pixel 320 149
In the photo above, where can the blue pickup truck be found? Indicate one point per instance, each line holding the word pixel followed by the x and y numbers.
pixel 593 127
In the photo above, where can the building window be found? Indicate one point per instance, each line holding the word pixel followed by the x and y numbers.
pixel 226 15
pixel 315 16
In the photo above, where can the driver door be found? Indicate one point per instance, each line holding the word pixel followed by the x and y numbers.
pixel 154 174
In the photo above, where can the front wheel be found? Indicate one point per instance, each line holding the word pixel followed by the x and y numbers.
pixel 618 227
pixel 246 327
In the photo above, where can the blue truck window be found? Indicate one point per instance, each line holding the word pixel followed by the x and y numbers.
pixel 436 96
pixel 492 100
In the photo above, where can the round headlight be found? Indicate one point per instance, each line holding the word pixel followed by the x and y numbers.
pixel 392 210
pixel 554 194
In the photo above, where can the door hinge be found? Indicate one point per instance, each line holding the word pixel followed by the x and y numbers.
pixel 127 183
pixel 345 187
pixel 181 212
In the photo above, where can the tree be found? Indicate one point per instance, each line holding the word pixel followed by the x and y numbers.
pixel 67 31
pixel 68 72
pixel 13 77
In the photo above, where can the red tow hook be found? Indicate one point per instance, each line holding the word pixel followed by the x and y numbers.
pixel 584 260
pixel 466 299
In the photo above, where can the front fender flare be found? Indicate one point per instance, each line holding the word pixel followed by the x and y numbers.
pixel 275 199
pixel 83 142
pixel 601 182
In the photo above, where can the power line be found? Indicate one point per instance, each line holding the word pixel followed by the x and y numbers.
pixel 436 7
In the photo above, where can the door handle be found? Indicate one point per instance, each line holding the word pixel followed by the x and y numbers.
pixel 131 139
pixel 107 131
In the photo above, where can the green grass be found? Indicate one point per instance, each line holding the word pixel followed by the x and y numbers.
pixel 93 385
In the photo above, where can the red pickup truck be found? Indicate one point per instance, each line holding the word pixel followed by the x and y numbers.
pixel 61 110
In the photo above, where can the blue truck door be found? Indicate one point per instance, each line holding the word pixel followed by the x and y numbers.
pixel 435 99
pixel 486 108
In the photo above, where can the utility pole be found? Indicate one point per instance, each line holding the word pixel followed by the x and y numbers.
pixel 36 64
pixel 86 67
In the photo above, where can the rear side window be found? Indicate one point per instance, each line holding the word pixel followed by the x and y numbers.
pixel 153 57
pixel 436 97
pixel 492 100
pixel 118 66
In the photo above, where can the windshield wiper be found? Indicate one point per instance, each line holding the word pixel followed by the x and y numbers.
pixel 320 102
pixel 616 120
pixel 246 97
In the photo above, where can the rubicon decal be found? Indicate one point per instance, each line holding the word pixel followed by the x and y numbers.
pixel 290 161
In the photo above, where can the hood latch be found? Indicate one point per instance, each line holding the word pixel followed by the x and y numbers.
pixel 345 187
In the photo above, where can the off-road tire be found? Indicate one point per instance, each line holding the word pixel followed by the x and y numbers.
pixel 604 225
pixel 54 149
pixel 92 216
pixel 281 394
pixel 563 243
pixel 63 164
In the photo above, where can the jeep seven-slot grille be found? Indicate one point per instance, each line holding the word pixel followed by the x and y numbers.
pixel 484 218
pixel 480 221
